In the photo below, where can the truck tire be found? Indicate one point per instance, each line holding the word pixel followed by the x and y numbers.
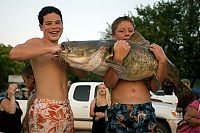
pixel 161 128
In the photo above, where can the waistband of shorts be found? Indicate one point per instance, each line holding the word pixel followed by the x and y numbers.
pixel 37 100
pixel 115 104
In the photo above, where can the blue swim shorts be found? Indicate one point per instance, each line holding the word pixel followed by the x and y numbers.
pixel 129 118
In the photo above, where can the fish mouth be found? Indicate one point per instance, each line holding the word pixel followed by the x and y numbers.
pixel 84 62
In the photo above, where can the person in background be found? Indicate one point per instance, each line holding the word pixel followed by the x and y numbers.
pixel 182 105
pixel 28 77
pixel 131 110
pixel 193 115
pixel 98 107
pixel 10 111
pixel 29 82
pixel 51 110
pixel 25 93
pixel 187 83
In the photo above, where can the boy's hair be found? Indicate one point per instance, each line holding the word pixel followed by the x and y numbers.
pixel 27 71
pixel 119 20
pixel 46 10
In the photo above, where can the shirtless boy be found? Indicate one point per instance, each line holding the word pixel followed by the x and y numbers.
pixel 50 111
pixel 131 110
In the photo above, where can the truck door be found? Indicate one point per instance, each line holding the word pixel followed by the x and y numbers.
pixel 80 96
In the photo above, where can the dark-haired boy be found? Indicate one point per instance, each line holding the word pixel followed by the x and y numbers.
pixel 51 111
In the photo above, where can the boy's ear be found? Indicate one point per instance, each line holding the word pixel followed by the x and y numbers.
pixel 40 27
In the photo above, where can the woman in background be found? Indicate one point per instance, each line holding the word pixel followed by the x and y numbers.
pixel 98 107
pixel 10 111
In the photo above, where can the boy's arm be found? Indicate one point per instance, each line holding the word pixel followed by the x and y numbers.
pixel 31 49
pixel 162 66
pixel 121 50
pixel 110 79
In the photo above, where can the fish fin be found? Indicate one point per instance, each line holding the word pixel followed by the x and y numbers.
pixel 139 39
pixel 118 67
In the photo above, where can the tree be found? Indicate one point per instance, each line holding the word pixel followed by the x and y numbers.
pixel 175 26
pixel 7 66
pixel 90 77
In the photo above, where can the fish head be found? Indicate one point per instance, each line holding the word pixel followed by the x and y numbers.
pixel 83 52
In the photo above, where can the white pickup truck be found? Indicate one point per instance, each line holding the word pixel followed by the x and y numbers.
pixel 82 93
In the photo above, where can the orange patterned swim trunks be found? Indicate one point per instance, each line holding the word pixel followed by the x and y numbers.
pixel 51 116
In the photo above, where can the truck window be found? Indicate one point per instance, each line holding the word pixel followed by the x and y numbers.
pixel 82 93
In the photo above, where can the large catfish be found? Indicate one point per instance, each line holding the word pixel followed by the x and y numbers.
pixel 96 56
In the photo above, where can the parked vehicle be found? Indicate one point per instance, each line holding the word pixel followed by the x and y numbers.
pixel 82 93
pixel 162 96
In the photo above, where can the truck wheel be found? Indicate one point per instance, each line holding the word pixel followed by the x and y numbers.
pixel 161 128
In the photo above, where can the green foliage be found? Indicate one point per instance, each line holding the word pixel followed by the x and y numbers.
pixel 7 66
pixel 175 26
pixel 108 33
pixel 89 77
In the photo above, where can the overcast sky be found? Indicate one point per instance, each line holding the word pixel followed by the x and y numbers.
pixel 83 19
